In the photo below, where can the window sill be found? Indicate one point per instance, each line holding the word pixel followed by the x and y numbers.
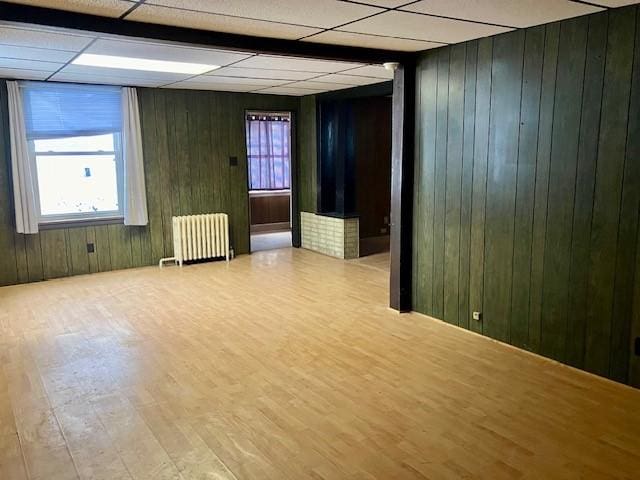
pixel 269 193
pixel 89 222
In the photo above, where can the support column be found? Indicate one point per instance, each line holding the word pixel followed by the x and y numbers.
pixel 402 158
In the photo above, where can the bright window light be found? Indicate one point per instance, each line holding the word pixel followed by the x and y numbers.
pixel 145 64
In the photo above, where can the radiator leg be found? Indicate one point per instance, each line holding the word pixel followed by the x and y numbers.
pixel 163 260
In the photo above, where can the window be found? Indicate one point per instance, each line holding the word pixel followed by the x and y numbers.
pixel 73 132
pixel 78 177
pixel 268 150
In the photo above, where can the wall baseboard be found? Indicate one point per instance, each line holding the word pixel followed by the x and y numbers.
pixel 270 227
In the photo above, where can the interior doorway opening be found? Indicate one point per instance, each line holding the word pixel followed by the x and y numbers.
pixel 269 145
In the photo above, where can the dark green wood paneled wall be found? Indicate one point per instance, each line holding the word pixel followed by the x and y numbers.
pixel 188 137
pixel 527 188
pixel 307 160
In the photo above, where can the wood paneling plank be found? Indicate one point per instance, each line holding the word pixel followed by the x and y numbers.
pixel 479 194
pixel 525 188
pixel 562 180
pixel 467 182
pixel 120 246
pixel 453 184
pixel 627 230
pixel 77 243
pixel 585 181
pixel 440 182
pixel 152 173
pixel 545 129
pixel 508 52
pixel 54 253
pixel 102 248
pixel 608 189
pixel 425 184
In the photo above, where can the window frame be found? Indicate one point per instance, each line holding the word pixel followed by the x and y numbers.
pixel 81 218
pixel 288 115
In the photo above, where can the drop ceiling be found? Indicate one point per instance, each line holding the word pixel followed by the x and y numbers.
pixel 42 53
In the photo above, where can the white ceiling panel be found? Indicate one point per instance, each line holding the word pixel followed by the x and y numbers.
pixel 242 72
pixel 252 82
pixel 386 3
pixel 105 8
pixel 514 13
pixel 106 80
pixel 29 64
pixel 294 63
pixel 219 23
pixel 297 92
pixel 43 38
pixel 422 27
pixel 310 13
pixel 41 54
pixel 614 3
pixel 318 85
pixel 166 52
pixel 349 79
pixel 377 71
pixel 334 37
pixel 237 86
pixel 161 77
pixel 23 74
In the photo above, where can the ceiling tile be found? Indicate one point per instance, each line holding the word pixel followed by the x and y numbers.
pixel 317 85
pixel 30 53
pixel 386 3
pixel 242 72
pixel 371 41
pixel 349 79
pixel 514 13
pixel 219 23
pixel 161 77
pixel 614 3
pixel 104 8
pixel 23 74
pixel 377 71
pixel 297 92
pixel 221 87
pixel 43 38
pixel 422 27
pixel 158 51
pixel 295 63
pixel 310 13
pixel 29 64
pixel 254 82
pixel 106 79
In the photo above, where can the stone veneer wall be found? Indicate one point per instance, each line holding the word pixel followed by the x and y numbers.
pixel 337 237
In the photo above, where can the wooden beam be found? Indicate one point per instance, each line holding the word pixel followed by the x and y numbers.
pixel 402 137
pixel 191 36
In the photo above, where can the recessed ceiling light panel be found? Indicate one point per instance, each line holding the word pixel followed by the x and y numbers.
pixel 145 64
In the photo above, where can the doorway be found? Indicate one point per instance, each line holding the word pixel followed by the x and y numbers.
pixel 269 145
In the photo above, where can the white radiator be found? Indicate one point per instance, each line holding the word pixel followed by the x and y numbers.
pixel 196 237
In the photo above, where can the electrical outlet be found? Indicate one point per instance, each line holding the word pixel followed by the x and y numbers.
pixel 233 161
pixel 90 248
pixel 477 316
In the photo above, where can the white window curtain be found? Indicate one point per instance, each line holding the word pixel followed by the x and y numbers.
pixel 135 199
pixel 24 176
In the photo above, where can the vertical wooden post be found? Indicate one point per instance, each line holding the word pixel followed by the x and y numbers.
pixel 402 157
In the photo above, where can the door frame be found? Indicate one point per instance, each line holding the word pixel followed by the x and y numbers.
pixel 293 173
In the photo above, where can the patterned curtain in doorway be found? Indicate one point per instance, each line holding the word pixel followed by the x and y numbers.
pixel 268 151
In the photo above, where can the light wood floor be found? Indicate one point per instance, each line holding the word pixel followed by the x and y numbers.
pixel 284 365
